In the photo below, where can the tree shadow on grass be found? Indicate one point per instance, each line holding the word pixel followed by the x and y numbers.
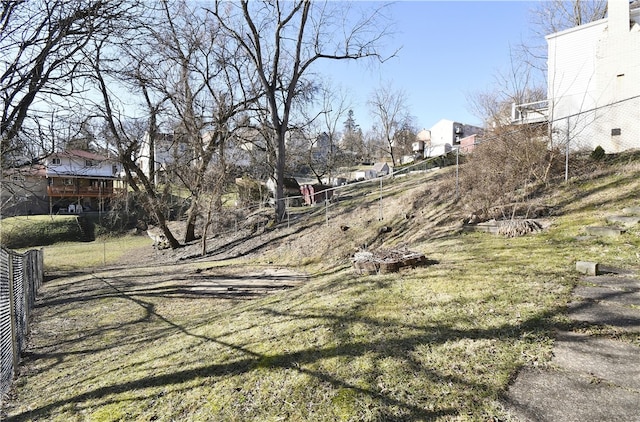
pixel 306 361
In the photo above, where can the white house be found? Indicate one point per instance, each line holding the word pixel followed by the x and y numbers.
pixel 72 180
pixel 382 169
pixel 80 180
pixel 446 135
pixel 594 83
pixel 166 150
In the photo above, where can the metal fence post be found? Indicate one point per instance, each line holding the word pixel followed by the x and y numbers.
pixel 12 317
pixel 380 217
pixel 566 157
pixel 457 172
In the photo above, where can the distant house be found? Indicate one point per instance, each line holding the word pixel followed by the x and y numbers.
pixel 437 150
pixel 164 151
pixel 381 169
pixel 360 175
pixel 247 149
pixel 69 181
pixel 450 132
pixel 81 178
pixel 444 136
pixel 291 186
pixel 593 92
pixel 423 138
pixel 24 190
pixel 468 143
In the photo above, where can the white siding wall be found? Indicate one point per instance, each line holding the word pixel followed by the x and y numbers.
pixel 618 79
pixel 592 67
pixel 442 133
pixel 77 166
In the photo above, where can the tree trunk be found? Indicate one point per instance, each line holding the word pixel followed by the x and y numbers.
pixel 162 223
pixel 192 216
pixel 205 230
pixel 280 166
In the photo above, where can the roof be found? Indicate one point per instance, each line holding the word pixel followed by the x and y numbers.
pixel 424 135
pixel 27 170
pixel 380 166
pixel 78 153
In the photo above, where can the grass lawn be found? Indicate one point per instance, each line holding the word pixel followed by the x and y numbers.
pixel 73 256
pixel 434 343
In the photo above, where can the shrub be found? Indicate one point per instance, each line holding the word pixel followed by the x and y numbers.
pixel 507 168
pixel 598 153
pixel 23 232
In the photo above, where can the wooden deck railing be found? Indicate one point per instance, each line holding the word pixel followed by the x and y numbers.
pixel 89 191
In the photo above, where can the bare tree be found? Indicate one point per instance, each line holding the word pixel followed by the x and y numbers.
pixel 516 85
pixel 118 62
pixel 283 41
pixel 186 77
pixel 207 94
pixel 323 153
pixel 404 138
pixel 390 110
pixel 127 147
pixel 41 42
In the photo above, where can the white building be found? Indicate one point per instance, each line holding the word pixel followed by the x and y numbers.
pixel 168 151
pixel 594 83
pixel 446 135
pixel 81 164
pixel 73 181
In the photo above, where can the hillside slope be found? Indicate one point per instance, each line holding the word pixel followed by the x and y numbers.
pixel 174 341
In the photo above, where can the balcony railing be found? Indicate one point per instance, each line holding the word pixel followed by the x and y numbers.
pixel 535 112
pixel 86 191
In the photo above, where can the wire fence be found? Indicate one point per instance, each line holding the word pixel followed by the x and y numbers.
pixel 21 275
pixel 615 127
pixel 327 200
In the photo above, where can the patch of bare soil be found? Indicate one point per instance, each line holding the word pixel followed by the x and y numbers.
pixel 410 213
pixel 190 280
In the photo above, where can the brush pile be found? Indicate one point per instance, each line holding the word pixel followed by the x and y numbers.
pixel 515 228
pixel 383 261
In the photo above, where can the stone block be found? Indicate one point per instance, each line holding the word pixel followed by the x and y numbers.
pixel 627 220
pixel 604 231
pixel 587 267
pixel 631 210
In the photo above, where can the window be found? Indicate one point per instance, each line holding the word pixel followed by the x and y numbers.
pixel 68 182
pixel 55 161
pixel 89 163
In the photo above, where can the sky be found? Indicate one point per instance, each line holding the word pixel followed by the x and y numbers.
pixel 450 49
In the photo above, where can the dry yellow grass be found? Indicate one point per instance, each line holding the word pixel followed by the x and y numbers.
pixel 432 343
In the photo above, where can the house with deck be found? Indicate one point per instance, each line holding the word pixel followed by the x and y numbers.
pixel 71 181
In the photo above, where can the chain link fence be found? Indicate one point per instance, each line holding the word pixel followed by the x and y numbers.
pixel 328 201
pixel 21 275
pixel 615 127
